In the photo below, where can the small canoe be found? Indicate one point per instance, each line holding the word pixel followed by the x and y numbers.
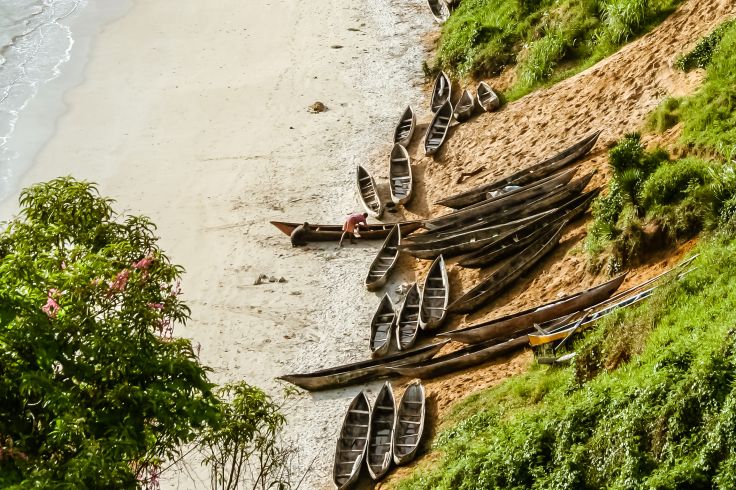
pixel 407 323
pixel 439 9
pixel 351 443
pixel 524 176
pixel 368 192
pixel 385 261
pixel 464 107
pixel 438 128
pixel 409 429
pixel 358 372
pixel 487 98
pixel 435 296
pixel 399 173
pixel 405 128
pixel 508 272
pixel 441 91
pixel 381 434
pixel 382 327
pixel 329 233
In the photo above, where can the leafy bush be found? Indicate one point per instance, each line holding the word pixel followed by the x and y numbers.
pixel 702 54
pixel 672 182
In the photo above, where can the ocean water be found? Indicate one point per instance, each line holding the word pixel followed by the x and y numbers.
pixel 35 42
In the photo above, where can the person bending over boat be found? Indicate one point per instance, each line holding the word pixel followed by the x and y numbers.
pixel 352 225
pixel 299 235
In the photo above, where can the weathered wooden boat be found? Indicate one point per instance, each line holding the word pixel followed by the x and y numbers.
pixel 526 175
pixel 382 327
pixel 407 322
pixel 399 173
pixel 523 321
pixel 464 358
pixel 438 128
pixel 368 192
pixel 508 272
pixel 385 260
pixel 410 415
pixel 381 434
pixel 405 128
pixel 358 372
pixel 487 98
pixel 435 296
pixel 329 233
pixel 352 442
pixel 464 107
pixel 441 91
pixel 439 9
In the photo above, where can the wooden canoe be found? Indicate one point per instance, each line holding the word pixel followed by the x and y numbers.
pixel 382 328
pixel 438 128
pixel 435 295
pixel 439 9
pixel 407 322
pixel 463 358
pixel 330 233
pixel 385 261
pixel 464 107
pixel 441 91
pixel 526 175
pixel 351 443
pixel 508 272
pixel 523 320
pixel 405 128
pixel 487 98
pixel 378 455
pixel 368 192
pixel 409 429
pixel 358 372
pixel 400 175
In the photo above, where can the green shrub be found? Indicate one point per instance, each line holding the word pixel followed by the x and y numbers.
pixel 702 54
pixel 673 181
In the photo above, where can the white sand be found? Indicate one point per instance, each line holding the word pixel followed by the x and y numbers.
pixel 194 113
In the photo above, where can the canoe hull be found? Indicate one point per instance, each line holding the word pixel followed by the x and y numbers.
pixel 332 233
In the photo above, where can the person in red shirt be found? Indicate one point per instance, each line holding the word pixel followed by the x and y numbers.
pixel 351 226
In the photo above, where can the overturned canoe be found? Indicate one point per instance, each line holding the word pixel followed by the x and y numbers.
pixel 385 261
pixel 435 295
pixel 405 128
pixel 352 442
pixel 407 321
pixel 441 91
pixel 524 176
pixel 358 372
pixel 438 128
pixel 399 174
pixel 382 327
pixel 487 98
pixel 329 233
pixel 368 192
pixel 378 455
pixel 440 10
pixel 465 106
pixel 409 429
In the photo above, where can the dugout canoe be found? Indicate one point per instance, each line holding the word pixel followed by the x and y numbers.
pixel 464 107
pixel 407 321
pixel 385 260
pixel 378 455
pixel 409 429
pixel 382 328
pixel 438 128
pixel 405 127
pixel 440 10
pixel 508 272
pixel 435 296
pixel 525 176
pixel 487 98
pixel 368 192
pixel 441 91
pixel 400 175
pixel 358 372
pixel 329 233
pixel 352 442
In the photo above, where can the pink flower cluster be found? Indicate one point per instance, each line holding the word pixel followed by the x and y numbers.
pixel 121 280
pixel 144 263
pixel 51 308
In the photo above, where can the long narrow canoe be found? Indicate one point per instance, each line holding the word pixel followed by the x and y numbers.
pixel 435 296
pixel 330 233
pixel 385 261
pixel 410 415
pixel 441 91
pixel 439 9
pixel 351 443
pixel 405 128
pixel 358 372
pixel 464 107
pixel 400 175
pixel 382 327
pixel 381 434
pixel 511 270
pixel 407 323
pixel 524 176
pixel 523 320
pixel 368 192
pixel 464 358
pixel 438 128
pixel 487 98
